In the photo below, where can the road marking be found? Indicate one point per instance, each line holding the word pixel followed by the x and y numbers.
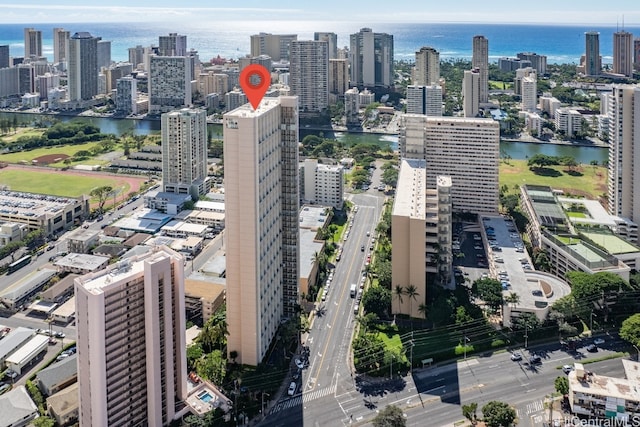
pixel 534 407
pixel 530 390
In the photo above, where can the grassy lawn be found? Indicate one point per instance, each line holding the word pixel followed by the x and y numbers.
pixel 69 150
pixel 588 181
pixel 575 214
pixel 497 85
pixel 20 132
pixel 55 183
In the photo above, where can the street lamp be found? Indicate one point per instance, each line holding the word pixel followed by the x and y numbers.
pixel 262 405
pixel 591 323
pixel 466 340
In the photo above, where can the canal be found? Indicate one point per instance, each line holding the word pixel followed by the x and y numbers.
pixel 515 150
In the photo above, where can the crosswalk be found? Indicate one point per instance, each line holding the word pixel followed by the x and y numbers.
pixel 302 398
pixel 534 407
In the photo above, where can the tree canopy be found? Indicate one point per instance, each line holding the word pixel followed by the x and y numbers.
pixel 390 416
pixel 377 300
pixel 498 414
pixel 490 291
pixel 630 329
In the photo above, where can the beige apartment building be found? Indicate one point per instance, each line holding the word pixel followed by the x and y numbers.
pixel 426 71
pixel 421 238
pixel 261 202
pixel 480 60
pixel 131 341
pixel 466 149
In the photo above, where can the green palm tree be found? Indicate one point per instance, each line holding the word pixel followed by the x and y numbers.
pixel 422 309
pixel 412 292
pixel 398 291
pixel 512 298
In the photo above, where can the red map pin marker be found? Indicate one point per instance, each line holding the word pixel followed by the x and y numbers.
pixel 254 81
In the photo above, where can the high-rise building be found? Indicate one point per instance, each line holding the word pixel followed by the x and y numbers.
pixel 169 83
pixel 45 83
pixel 172 45
pixel 115 72
pixel 480 60
pixel 623 53
pixel 234 99
pixel 331 39
pixel 309 75
pixel 624 149
pixel 467 149
pixel 371 58
pixel 592 59
pixel 104 54
pixel 130 321
pixel 471 88
pixel 274 45
pixel 322 184
pixel 424 100
pixel 521 74
pixel 538 62
pixel 83 66
pixel 126 93
pixel 32 43
pixel 427 67
pixel 184 152
pixel 261 226
pixel 421 238
pixel 352 106
pixel 4 56
pixel 211 82
pixel 338 76
pixel 60 45
pixel 529 93
pixel 136 56
pixel 636 54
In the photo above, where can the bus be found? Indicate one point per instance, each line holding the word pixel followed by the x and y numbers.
pixel 353 290
pixel 17 265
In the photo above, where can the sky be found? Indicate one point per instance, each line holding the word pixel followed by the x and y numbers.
pixel 430 11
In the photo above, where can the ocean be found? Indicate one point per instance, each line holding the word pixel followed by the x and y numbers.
pixel 561 44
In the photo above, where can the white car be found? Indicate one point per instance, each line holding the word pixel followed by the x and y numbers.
pixel 292 388
pixel 598 341
pixel 516 357
pixel 567 368
pixel 299 363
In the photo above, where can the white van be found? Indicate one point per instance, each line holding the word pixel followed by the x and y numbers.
pixel 353 290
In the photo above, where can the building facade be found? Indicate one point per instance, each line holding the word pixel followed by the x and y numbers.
pixel 427 67
pixel 261 236
pixel 466 149
pixel 623 53
pixel 371 59
pixel 131 341
pixel 32 43
pixel 424 100
pixel 338 77
pixel 82 67
pixel 322 184
pixel 471 88
pixel 421 239
pixel 331 39
pixel 480 60
pixel 309 75
pixel 537 62
pixel 624 152
pixel 529 93
pixel 169 83
pixel 184 152
pixel 126 95
pixel 592 59
pixel 274 45
pixel 60 43
pixel 173 44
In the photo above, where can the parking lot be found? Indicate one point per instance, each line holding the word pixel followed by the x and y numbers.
pixel 469 253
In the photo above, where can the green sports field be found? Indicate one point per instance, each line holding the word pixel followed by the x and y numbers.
pixel 54 182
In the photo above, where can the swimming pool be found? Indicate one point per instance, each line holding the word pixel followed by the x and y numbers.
pixel 205 396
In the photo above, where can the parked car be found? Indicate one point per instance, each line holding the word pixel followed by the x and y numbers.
pixel 567 368
pixel 591 348
pixel 292 388
pixel 535 359
pixel 598 341
pixel 5 388
pixel 516 357
pixel 11 374
pixel 299 363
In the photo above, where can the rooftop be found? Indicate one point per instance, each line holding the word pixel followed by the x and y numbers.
pixel 16 406
pixel 593 384
pixel 82 261
pixel 29 347
pixel 31 204
pixel 66 400
pixel 13 340
pixel 313 217
pixel 59 372
pixel 26 283
pixel 308 247
pixel 144 221
pixel 410 194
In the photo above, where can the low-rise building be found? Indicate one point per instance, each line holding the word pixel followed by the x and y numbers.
pixel 25 355
pixel 12 342
pixel 66 312
pixel 58 376
pixel 602 398
pixel 17 408
pixel 12 232
pixel 322 184
pixel 51 214
pixel 81 263
pixel 24 289
pixel 63 405
pixel 184 229
pixel 202 298
pixel 82 240
pixel 571 247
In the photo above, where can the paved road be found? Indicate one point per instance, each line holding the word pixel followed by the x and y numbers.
pixel 329 372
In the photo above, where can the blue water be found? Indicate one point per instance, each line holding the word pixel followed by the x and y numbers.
pixel 206 397
pixel 561 44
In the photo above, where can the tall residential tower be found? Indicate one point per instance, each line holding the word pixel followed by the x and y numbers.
pixel 32 43
pixel 83 66
pixel 427 68
pixel 261 184
pixel 480 60
pixel 309 75
pixel 592 59
pixel 130 320
pixel 371 57
pixel 623 53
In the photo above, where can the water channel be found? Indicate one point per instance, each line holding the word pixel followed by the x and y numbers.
pixel 515 150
